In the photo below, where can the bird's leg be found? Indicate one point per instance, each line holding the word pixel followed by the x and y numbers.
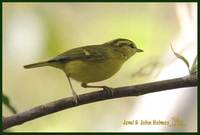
pixel 109 90
pixel 75 96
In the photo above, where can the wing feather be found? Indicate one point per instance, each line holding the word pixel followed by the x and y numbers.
pixel 88 53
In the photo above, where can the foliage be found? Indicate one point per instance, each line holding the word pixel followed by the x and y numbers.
pixel 193 69
pixel 6 101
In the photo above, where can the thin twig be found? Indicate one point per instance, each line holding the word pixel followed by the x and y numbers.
pixel 65 103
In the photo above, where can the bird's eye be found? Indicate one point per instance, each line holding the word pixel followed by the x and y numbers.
pixel 132 45
pixel 125 44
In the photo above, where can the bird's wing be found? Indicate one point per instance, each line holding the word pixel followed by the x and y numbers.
pixel 88 53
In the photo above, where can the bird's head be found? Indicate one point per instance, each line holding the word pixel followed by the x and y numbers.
pixel 124 46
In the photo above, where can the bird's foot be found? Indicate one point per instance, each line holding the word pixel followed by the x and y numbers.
pixel 76 98
pixel 108 90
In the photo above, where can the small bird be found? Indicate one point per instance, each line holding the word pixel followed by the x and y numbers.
pixel 92 63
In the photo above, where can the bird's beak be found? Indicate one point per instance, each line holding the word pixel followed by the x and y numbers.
pixel 139 50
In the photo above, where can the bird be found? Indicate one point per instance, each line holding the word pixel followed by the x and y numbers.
pixel 92 63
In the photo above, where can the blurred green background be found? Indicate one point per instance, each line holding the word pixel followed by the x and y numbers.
pixel 40 31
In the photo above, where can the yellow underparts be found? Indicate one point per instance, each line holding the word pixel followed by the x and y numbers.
pixel 90 71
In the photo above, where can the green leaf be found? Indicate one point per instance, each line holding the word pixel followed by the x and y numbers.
pixel 193 69
pixel 6 101
pixel 182 58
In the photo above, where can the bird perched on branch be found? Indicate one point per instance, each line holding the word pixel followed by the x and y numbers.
pixel 92 63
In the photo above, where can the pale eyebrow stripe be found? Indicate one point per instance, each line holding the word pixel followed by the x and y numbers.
pixel 120 42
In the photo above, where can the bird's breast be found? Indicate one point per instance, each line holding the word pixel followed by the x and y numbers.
pixel 90 71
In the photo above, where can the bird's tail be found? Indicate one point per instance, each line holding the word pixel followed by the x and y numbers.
pixel 39 64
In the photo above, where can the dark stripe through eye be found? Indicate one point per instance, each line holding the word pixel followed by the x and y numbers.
pixel 131 45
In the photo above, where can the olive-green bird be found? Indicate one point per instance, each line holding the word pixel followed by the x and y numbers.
pixel 92 63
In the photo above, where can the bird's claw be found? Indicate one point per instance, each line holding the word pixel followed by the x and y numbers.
pixel 108 90
pixel 76 98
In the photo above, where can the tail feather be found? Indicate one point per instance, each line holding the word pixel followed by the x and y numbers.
pixel 39 64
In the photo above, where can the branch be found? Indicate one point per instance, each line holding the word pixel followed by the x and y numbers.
pixel 65 103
